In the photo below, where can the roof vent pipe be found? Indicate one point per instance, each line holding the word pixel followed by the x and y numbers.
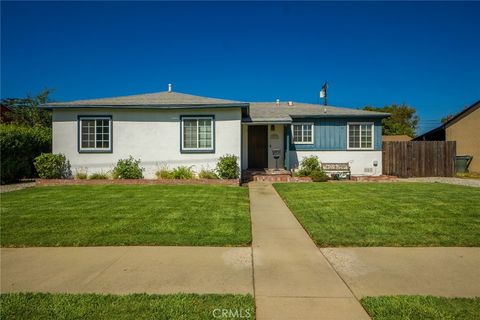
pixel 290 103
pixel 169 87
pixel 278 102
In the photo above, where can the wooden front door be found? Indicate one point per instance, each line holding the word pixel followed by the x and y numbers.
pixel 257 147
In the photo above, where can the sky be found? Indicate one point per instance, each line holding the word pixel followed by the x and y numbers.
pixel 425 54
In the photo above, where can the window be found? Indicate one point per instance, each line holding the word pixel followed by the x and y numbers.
pixel 360 136
pixel 302 133
pixel 197 134
pixel 95 134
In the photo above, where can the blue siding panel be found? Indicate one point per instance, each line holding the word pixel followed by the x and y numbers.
pixel 330 134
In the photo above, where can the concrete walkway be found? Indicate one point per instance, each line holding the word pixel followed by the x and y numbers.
pixel 122 270
pixel 292 279
pixel 408 271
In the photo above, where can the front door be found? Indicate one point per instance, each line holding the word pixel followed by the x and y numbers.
pixel 257 147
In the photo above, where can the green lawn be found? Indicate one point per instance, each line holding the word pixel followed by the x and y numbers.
pixel 125 215
pixel 422 307
pixel 136 306
pixel 386 214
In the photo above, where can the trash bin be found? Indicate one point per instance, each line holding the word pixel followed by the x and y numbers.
pixel 461 163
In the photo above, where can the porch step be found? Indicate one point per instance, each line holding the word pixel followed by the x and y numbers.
pixel 272 176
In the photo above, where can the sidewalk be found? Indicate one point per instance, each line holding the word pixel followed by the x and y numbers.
pixel 292 279
pixel 121 270
pixel 449 272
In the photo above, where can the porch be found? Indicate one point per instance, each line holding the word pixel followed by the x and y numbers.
pixel 265 149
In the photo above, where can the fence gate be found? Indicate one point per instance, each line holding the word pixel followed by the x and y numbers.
pixel 419 158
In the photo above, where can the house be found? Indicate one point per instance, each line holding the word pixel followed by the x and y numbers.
pixel 396 137
pixel 463 128
pixel 175 129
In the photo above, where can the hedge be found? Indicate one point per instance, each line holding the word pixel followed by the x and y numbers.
pixel 19 146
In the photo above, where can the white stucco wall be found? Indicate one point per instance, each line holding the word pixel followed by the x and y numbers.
pixel 150 135
pixel 361 162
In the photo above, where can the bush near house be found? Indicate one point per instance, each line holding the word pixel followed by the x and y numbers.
pixel 164 173
pixel 80 175
pixel 310 167
pixel 182 172
pixel 52 166
pixel 20 145
pixel 128 169
pixel 99 176
pixel 227 167
pixel 207 174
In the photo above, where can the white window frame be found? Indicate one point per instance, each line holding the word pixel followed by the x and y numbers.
pixel 95 118
pixel 311 124
pixel 371 124
pixel 198 149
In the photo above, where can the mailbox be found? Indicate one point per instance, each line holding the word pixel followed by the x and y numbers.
pixel 276 156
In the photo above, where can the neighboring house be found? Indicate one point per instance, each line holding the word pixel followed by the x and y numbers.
pixel 173 129
pixel 397 137
pixel 463 128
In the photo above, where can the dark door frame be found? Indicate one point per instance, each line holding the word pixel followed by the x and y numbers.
pixel 257 146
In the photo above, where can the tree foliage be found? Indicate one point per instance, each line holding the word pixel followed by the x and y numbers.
pixel 25 111
pixel 403 119
pixel 19 145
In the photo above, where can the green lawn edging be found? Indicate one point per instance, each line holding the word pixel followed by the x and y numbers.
pixel 36 306
pixel 421 307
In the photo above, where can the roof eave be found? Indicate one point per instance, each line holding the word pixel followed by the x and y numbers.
pixel 386 115
pixel 148 106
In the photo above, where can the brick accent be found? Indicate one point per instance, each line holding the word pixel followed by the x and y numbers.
pixel 61 182
pixel 280 178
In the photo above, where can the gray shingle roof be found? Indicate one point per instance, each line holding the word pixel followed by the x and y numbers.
pixel 270 111
pixel 259 111
pixel 148 99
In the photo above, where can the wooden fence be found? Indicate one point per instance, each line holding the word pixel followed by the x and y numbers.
pixel 419 158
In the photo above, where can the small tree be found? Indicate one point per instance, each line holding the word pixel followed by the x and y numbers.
pixel 403 119
pixel 25 111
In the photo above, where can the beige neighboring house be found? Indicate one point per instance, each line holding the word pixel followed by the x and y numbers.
pixel 396 137
pixel 464 128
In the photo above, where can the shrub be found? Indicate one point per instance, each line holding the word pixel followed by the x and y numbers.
pixel 227 167
pixel 164 173
pixel 318 175
pixel 128 169
pixel 99 176
pixel 19 146
pixel 307 166
pixel 81 174
pixel 207 174
pixel 182 172
pixel 52 166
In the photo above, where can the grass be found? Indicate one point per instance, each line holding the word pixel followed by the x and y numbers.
pixel 422 307
pixel 135 306
pixel 386 214
pixel 125 215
